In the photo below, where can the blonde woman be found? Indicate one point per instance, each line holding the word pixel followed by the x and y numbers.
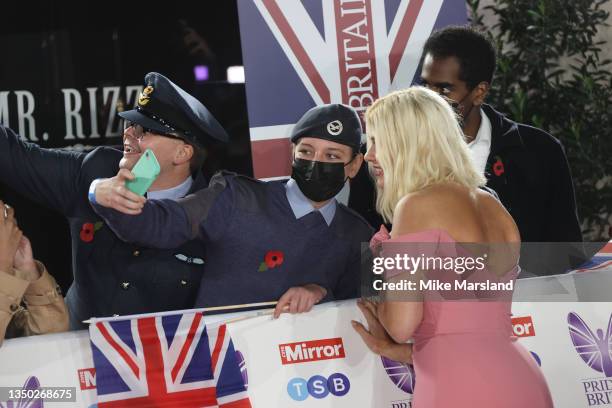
pixel 463 353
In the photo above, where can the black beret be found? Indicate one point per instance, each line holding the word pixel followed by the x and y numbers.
pixel 165 108
pixel 335 122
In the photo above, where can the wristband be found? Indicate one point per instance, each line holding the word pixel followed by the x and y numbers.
pixel 92 191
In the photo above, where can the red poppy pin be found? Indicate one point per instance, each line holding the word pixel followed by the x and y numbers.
pixel 88 230
pixel 271 260
pixel 498 166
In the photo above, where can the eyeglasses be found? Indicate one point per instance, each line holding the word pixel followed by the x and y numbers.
pixel 140 131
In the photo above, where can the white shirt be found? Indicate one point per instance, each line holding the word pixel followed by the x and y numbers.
pixel 302 206
pixel 481 145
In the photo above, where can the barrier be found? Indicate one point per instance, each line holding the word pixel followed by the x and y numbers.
pixel 316 359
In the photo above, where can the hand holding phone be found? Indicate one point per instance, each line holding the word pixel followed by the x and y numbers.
pixel 145 171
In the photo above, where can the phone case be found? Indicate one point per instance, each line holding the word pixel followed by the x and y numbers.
pixel 146 171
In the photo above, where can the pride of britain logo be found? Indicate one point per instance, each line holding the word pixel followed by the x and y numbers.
pixel 402 375
pixel 32 384
pixel 596 351
pixel 243 369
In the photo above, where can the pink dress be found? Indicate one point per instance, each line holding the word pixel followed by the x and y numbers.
pixel 465 355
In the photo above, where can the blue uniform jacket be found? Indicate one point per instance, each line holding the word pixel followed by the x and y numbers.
pixel 256 248
pixel 110 276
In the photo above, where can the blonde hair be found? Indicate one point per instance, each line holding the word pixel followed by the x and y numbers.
pixel 418 143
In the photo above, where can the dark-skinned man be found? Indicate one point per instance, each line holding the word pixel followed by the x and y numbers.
pixel 525 166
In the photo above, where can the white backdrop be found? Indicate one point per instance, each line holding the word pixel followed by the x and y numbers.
pixel 56 359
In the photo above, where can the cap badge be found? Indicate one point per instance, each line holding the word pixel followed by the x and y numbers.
pixel 144 98
pixel 334 128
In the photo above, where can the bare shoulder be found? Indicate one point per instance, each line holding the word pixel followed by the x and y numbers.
pixel 413 210
pixel 468 215
pixel 497 221
pixel 447 206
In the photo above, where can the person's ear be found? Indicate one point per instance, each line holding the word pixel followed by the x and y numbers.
pixel 353 167
pixel 480 92
pixel 184 153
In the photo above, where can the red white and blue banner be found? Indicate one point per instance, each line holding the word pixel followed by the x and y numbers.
pixel 602 260
pixel 166 360
pixel 316 359
pixel 299 54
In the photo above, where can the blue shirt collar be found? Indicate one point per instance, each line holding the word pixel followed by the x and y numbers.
pixel 173 193
pixel 301 206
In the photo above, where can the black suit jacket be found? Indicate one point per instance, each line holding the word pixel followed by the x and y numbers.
pixel 528 169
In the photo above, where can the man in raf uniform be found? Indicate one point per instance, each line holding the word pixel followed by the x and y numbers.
pixel 110 276
pixel 265 241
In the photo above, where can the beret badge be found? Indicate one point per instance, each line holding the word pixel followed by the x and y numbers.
pixel 334 128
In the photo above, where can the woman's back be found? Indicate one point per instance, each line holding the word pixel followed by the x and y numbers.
pixel 468 215
pixel 464 352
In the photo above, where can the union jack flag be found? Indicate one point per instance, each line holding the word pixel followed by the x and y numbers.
pixel 600 262
pixel 302 53
pixel 166 361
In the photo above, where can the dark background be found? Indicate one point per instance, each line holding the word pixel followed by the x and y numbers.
pixel 118 41
pixel 50 45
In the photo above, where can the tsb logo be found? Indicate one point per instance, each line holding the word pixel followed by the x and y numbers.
pixel 305 351
pixel 523 326
pixel 318 386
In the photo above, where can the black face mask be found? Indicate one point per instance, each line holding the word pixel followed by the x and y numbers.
pixel 319 181
pixel 457 107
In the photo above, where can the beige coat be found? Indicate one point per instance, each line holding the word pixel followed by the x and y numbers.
pixel 31 307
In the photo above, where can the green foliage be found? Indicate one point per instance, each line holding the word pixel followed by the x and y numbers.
pixel 551 74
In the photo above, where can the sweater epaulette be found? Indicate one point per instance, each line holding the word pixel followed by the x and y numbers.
pixel 352 213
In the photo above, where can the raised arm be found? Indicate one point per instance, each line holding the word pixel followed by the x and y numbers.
pixel 46 311
pixel 162 223
pixel 46 176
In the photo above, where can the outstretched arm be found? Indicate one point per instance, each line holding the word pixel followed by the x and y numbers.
pixel 46 176
pixel 152 223
pixel 162 223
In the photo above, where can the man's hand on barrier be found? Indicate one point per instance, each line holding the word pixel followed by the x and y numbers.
pixel 376 337
pixel 113 193
pixel 299 299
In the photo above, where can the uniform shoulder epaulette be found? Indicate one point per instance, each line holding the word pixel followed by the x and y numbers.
pixel 236 176
pixel 96 163
pixel 354 214
pixel 248 179
pixel 103 152
pixel 242 181
pixel 248 192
